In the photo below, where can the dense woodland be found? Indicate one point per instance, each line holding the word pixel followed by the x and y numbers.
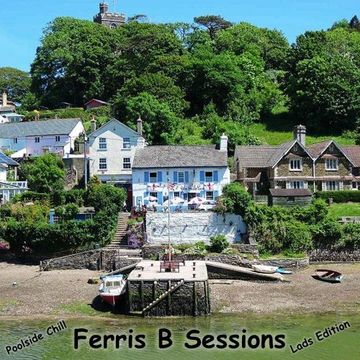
pixel 191 82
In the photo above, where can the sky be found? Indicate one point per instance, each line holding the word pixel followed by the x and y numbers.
pixel 22 21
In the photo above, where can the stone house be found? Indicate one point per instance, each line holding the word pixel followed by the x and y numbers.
pixel 167 172
pixel 325 166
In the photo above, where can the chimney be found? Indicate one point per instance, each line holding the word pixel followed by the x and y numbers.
pixel 93 124
pixel 4 99
pixel 223 142
pixel 139 126
pixel 300 134
pixel 104 8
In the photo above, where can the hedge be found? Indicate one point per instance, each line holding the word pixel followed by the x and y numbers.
pixel 342 196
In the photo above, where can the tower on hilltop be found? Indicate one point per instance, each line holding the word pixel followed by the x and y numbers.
pixel 109 19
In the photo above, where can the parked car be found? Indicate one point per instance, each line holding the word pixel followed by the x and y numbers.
pixel 206 205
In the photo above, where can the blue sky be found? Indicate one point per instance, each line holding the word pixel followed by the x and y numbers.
pixel 22 21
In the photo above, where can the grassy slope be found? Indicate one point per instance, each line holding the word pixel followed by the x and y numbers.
pixel 279 130
pixel 348 209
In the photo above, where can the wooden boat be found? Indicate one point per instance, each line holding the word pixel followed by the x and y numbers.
pixel 330 276
pixel 112 288
pixel 281 270
pixel 265 269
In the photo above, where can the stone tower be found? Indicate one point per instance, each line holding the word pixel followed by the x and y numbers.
pixel 111 20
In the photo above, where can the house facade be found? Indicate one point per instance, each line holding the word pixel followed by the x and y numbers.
pixel 325 166
pixel 35 138
pixel 8 176
pixel 8 111
pixel 183 172
pixel 111 152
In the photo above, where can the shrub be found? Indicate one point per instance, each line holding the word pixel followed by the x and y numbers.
pixel 351 236
pixel 198 248
pixel 29 196
pixel 235 199
pixel 218 243
pixel 296 237
pixel 327 233
pixel 339 196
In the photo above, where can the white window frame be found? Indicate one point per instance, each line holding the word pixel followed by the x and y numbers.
pixel 293 162
pixel 209 178
pixel 102 164
pixel 57 138
pixel 332 185
pixel 126 163
pixel 126 143
pixel 153 179
pixel 297 184
pixel 181 175
pixel 331 164
pixel 208 197
pixel 37 139
pixel 102 144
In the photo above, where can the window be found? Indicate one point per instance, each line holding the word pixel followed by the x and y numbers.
pixel 331 164
pixel 102 144
pixel 37 139
pixel 15 140
pixel 126 163
pixel 209 195
pixel 153 177
pixel 126 143
pixel 208 176
pixel 57 138
pixel 332 185
pixel 295 165
pixel 176 194
pixel 181 177
pixel 153 194
pixel 297 185
pixel 355 185
pixel 102 164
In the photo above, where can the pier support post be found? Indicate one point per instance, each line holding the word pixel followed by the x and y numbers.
pixel 169 308
pixel 129 296
pixel 195 300
pixel 142 294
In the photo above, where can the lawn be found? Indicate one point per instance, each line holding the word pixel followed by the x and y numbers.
pixel 348 209
pixel 278 131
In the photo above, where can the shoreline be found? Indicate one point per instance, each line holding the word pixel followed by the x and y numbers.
pixel 65 294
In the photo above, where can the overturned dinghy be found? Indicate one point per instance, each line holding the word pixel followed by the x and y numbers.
pixel 265 269
pixel 330 276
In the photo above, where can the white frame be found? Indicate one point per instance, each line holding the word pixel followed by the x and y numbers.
pixel 294 161
pixel 127 163
pixel 126 143
pixel 102 163
pixel 102 144
pixel 331 162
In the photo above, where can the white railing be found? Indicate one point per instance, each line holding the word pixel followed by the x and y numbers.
pixel 13 185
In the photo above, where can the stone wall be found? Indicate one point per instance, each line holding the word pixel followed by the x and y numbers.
pixel 322 255
pixel 107 260
pixel 192 227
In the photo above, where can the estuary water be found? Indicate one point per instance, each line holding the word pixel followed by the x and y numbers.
pixel 339 345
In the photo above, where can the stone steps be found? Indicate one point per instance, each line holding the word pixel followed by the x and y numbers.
pixel 119 241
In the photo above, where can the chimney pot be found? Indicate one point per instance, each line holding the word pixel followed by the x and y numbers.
pixel 93 124
pixel 4 99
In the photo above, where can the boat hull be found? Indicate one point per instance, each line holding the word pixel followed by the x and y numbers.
pixel 334 280
pixel 264 269
pixel 111 299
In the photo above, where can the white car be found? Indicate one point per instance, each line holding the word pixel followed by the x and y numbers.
pixel 206 205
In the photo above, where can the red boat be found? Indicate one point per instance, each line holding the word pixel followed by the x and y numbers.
pixel 112 288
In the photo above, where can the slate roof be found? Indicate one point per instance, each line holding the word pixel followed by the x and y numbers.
pixel 353 153
pixel 4 159
pixel 179 156
pixel 316 149
pixel 38 128
pixel 254 156
pixel 290 192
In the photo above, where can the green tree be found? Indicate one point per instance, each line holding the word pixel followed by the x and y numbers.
pixel 237 198
pixel 69 64
pixel 213 23
pixel 15 82
pixel 45 173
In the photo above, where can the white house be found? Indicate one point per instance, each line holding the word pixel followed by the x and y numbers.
pixel 35 138
pixel 185 172
pixel 9 188
pixel 8 111
pixel 111 152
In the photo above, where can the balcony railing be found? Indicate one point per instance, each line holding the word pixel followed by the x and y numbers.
pixel 13 185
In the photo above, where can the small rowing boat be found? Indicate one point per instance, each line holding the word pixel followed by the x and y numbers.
pixel 112 288
pixel 283 271
pixel 264 269
pixel 330 276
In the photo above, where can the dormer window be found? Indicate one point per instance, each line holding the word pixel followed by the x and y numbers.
pixel 295 165
pixel 37 139
pixel 57 138
pixel 331 164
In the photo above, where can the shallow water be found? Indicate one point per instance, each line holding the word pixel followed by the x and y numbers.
pixel 343 345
